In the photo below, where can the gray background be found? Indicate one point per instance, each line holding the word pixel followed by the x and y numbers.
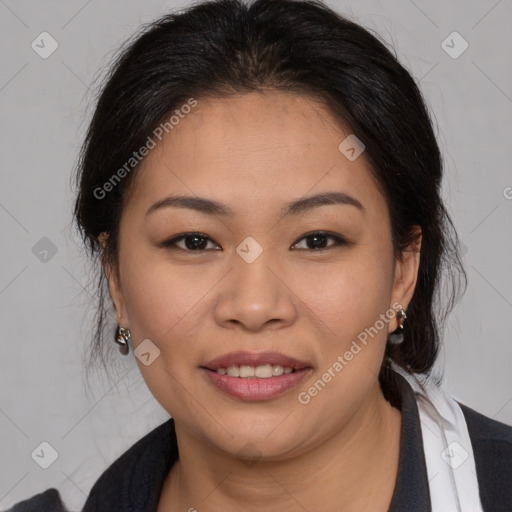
pixel 45 105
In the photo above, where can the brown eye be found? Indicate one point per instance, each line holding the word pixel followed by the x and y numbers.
pixel 191 242
pixel 318 240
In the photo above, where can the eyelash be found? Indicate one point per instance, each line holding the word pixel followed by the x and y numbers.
pixel 339 241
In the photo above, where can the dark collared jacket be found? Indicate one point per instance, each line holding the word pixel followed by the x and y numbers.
pixel 134 481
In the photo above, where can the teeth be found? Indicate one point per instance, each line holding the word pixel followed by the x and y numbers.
pixel 246 371
pixel 277 370
pixel 232 371
pixel 264 371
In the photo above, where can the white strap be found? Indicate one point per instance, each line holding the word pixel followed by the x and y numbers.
pixel 448 452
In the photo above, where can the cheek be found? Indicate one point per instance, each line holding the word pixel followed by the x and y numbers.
pixel 162 300
pixel 347 297
pixel 354 302
pixel 166 304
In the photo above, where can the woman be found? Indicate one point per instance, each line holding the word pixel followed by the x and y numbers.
pixel 262 185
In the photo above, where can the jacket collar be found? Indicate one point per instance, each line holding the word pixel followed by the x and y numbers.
pixel 412 487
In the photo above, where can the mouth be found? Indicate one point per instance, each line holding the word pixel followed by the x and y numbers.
pixel 255 376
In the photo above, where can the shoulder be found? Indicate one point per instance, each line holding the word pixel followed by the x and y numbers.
pixel 485 428
pixel 47 501
pixel 491 441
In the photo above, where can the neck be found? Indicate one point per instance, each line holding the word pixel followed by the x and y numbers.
pixel 353 470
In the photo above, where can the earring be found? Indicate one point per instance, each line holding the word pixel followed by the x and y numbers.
pixel 122 337
pixel 401 317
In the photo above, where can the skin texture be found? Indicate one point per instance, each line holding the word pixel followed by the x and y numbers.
pixel 255 153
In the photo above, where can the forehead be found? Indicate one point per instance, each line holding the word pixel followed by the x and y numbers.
pixel 252 149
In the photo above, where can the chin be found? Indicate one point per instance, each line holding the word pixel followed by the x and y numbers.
pixel 271 437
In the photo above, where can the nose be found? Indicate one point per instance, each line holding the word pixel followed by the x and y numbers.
pixel 255 296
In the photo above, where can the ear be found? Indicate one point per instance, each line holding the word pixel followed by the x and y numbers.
pixel 114 285
pixel 406 276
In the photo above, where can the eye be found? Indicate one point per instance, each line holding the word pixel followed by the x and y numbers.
pixel 192 242
pixel 318 241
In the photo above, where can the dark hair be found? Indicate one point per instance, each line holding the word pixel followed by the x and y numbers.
pixel 223 47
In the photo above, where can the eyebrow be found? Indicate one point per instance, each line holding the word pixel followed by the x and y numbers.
pixel 211 207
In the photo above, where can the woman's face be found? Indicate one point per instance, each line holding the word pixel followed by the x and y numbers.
pixel 256 283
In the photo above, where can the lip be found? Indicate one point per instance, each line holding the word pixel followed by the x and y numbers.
pixel 256 389
pixel 254 359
